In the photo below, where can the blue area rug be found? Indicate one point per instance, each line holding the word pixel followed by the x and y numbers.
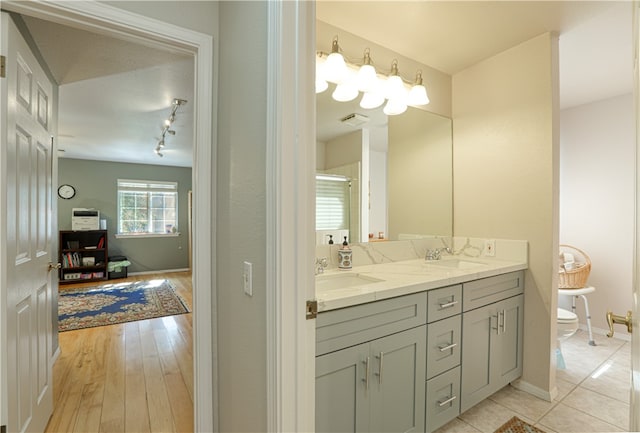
pixel 117 303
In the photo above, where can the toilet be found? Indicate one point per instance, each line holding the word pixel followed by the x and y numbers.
pixel 567 325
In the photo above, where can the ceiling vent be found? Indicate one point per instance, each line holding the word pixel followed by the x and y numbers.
pixel 354 119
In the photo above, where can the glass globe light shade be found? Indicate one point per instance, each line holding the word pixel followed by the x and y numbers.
pixel 395 107
pixel 395 88
pixel 371 100
pixel 345 92
pixel 321 85
pixel 367 78
pixel 334 68
pixel 418 95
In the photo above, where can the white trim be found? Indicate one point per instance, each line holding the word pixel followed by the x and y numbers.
pixel 105 19
pixel 146 235
pixel 290 179
pixel 535 391
pixel 163 271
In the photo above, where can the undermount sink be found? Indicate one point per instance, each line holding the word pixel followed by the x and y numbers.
pixel 456 263
pixel 343 281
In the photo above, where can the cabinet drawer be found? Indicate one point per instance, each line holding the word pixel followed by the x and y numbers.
pixel 443 303
pixel 443 399
pixel 349 326
pixel 443 345
pixel 488 290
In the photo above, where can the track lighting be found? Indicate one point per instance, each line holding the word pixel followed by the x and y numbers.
pixel 351 79
pixel 167 123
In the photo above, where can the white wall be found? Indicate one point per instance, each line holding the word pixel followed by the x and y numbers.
pixel 597 178
pixel 505 119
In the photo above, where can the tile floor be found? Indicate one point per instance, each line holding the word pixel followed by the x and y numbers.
pixel 593 394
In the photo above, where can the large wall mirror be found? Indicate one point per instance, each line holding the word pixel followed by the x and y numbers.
pixel 381 177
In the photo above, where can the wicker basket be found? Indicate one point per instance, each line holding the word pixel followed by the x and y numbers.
pixel 574 278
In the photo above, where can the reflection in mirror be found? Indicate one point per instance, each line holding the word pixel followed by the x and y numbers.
pixel 407 161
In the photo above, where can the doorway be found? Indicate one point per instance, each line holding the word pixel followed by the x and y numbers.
pixel 116 22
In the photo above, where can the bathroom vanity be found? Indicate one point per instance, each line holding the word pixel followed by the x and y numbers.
pixel 407 346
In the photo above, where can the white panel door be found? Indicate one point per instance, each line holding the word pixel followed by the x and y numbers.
pixel 26 160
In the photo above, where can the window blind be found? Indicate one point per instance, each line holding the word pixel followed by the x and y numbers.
pixel 332 202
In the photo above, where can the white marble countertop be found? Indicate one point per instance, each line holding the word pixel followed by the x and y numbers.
pixel 408 276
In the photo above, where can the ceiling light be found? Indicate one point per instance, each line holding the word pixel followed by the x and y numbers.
pixel 345 92
pixel 418 93
pixel 335 69
pixel 167 123
pixel 367 77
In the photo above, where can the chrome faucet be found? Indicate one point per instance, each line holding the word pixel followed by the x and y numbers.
pixel 435 254
pixel 321 264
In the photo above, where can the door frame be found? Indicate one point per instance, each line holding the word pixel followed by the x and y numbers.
pixel 105 19
pixel 290 215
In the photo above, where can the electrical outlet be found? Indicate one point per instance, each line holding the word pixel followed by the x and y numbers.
pixel 490 248
pixel 247 278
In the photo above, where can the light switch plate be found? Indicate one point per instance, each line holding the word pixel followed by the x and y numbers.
pixel 247 278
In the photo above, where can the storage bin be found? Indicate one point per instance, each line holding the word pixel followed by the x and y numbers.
pixel 118 272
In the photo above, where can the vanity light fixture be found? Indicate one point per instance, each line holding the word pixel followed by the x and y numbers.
pixel 335 68
pixel 167 124
pixel 418 93
pixel 351 79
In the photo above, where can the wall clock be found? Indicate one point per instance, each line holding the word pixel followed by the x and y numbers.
pixel 66 191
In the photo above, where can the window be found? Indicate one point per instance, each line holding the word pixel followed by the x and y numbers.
pixel 147 207
pixel 332 202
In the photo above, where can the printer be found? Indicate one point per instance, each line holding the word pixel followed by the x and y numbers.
pixel 85 219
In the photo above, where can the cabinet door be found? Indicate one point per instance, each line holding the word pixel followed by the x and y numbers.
pixel 479 332
pixel 398 382
pixel 509 362
pixel 342 397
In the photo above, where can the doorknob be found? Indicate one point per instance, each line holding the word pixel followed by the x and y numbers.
pixel 53 266
pixel 621 320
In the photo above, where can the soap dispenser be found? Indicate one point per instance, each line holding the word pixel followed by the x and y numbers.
pixel 345 255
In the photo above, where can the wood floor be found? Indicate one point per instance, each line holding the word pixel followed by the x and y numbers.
pixel 134 377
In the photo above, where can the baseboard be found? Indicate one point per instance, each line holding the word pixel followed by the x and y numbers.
pixel 620 334
pixel 55 356
pixel 165 271
pixel 534 390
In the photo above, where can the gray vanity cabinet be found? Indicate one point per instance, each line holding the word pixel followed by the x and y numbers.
pixel 491 337
pixel 376 386
pixel 370 368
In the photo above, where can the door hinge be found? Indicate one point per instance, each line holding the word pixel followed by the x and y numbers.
pixel 312 309
pixel 3 66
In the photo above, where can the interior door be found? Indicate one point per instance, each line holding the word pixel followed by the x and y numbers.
pixel 26 158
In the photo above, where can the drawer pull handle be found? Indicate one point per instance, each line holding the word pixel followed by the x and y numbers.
pixel 447 401
pixel 379 373
pixel 448 304
pixel 504 321
pixel 366 374
pixel 447 347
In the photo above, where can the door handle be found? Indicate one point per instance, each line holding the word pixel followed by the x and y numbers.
pixel 366 373
pixel 620 320
pixel 51 266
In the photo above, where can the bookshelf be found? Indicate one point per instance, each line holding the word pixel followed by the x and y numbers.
pixel 83 256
